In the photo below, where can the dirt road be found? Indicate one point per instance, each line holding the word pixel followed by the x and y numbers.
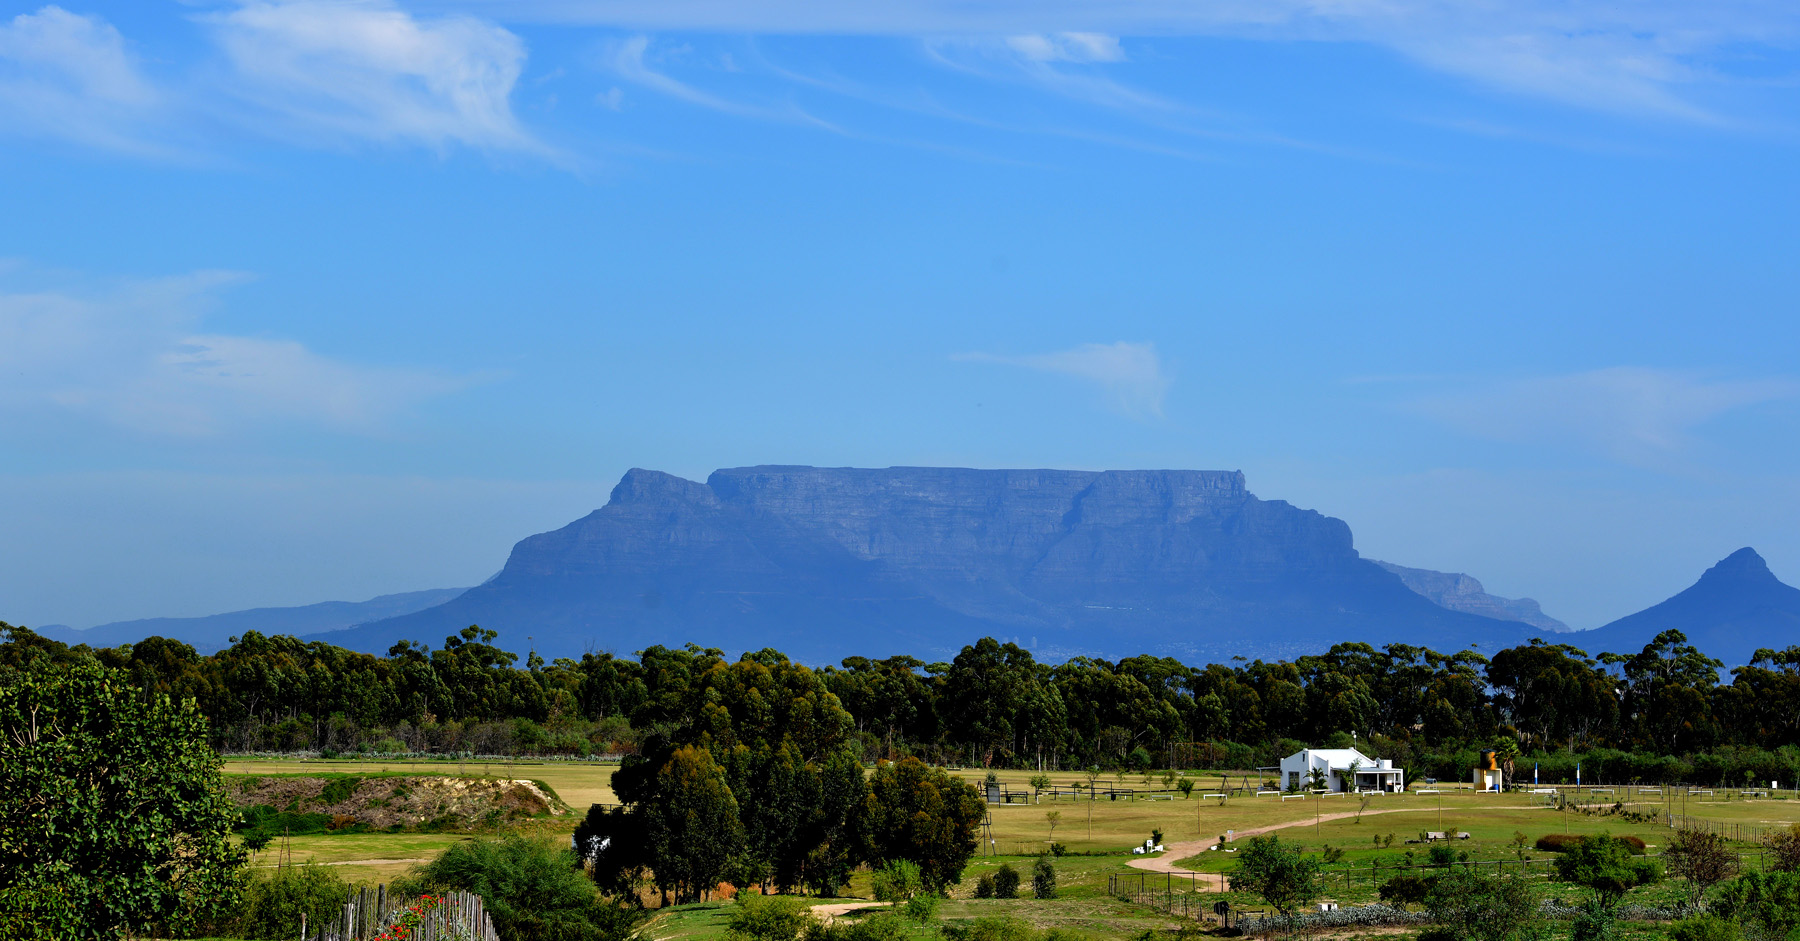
pixel 1216 881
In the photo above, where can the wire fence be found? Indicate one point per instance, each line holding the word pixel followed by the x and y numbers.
pixel 373 914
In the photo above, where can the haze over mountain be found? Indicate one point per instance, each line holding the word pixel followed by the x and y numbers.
pixel 213 632
pixel 1736 607
pixel 1460 592
pixel 827 562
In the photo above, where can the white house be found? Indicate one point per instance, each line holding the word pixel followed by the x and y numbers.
pixel 1345 769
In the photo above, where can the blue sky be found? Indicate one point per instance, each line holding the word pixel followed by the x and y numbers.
pixel 320 300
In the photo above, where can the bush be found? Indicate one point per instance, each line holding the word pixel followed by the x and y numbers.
pixel 898 881
pixel 1563 842
pixel 1442 857
pixel 1704 928
pixel 984 886
pixel 534 889
pixel 1402 891
pixel 1043 879
pixel 338 789
pixel 1006 882
pixel 275 899
pixel 1472 906
pixel 990 929
pixel 1769 900
pixel 768 918
pixel 881 926
pixel 922 909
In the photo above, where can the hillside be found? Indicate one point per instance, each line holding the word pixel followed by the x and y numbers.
pixel 827 562
pixel 1736 607
pixel 213 632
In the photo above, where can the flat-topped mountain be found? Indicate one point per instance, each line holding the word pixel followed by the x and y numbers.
pixel 1736 607
pixel 826 562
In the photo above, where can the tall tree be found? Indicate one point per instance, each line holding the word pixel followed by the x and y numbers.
pixel 924 815
pixel 113 814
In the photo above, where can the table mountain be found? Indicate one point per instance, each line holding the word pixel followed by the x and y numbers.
pixel 822 563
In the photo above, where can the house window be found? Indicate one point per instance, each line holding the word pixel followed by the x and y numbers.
pixel 1293 780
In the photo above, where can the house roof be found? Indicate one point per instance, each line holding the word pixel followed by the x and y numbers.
pixel 1335 757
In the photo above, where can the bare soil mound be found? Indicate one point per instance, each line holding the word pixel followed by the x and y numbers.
pixel 402 802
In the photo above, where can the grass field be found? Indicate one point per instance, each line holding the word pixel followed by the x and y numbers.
pixel 1110 827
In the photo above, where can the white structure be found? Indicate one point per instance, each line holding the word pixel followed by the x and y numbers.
pixel 1487 776
pixel 1345 769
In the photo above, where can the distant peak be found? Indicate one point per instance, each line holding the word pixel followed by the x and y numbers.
pixel 1744 563
pixel 652 486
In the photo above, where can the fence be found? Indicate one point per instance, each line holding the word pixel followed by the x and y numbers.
pixel 368 913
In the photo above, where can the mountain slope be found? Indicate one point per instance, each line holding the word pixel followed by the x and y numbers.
pixel 1736 607
pixel 214 631
pixel 826 562
pixel 1460 592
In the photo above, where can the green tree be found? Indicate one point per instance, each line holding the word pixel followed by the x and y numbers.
pixel 113 817
pixel 1006 882
pixel 1278 872
pixel 1043 878
pixel 923 814
pixel 1472 906
pixel 897 881
pixel 1603 864
pixel 691 828
pixel 533 888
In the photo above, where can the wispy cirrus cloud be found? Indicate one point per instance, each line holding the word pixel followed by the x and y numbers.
pixel 1657 57
pixel 369 70
pixel 628 59
pixel 1634 414
pixel 1067 47
pixel 1130 376
pixel 71 77
pixel 135 355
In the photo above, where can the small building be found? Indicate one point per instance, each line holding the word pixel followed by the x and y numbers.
pixel 1345 769
pixel 1487 774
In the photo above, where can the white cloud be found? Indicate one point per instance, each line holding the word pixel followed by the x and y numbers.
pixel 1649 57
pixel 68 76
pixel 1630 413
pixel 365 69
pixel 1130 374
pixel 135 357
pixel 1067 47
pixel 629 60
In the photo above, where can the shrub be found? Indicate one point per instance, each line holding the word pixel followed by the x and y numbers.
pixel 881 926
pixel 1441 857
pixel 337 790
pixel 990 929
pixel 1402 891
pixel 1563 842
pixel 1006 882
pixel 898 881
pixel 1704 928
pixel 1769 900
pixel 1784 849
pixel 1043 879
pixel 984 886
pixel 1331 854
pixel 1472 906
pixel 534 889
pixel 922 909
pixel 275 899
pixel 768 918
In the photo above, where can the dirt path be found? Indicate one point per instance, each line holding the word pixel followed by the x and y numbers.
pixel 831 911
pixel 1216 881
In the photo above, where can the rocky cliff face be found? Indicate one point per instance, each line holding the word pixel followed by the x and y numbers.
pixel 826 562
pixel 1460 592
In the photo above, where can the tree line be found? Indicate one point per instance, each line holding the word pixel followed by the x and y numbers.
pixel 1664 713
